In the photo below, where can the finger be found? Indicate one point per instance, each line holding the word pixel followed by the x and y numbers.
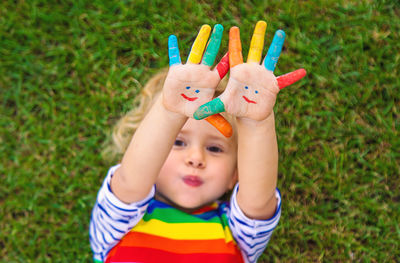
pixel 290 78
pixel 173 51
pixel 274 50
pixel 235 47
pixel 222 125
pixel 257 42
pixel 210 108
pixel 223 66
pixel 213 45
pixel 196 53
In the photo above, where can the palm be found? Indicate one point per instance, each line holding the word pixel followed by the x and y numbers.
pixel 189 86
pixel 251 91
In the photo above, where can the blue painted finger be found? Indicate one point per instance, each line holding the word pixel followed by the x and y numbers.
pixel 274 50
pixel 173 51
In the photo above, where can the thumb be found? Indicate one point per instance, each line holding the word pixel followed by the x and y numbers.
pixel 210 108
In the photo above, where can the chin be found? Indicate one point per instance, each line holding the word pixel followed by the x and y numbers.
pixel 189 205
pixel 182 204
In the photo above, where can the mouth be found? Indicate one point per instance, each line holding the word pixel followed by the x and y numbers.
pixel 188 98
pixel 249 101
pixel 192 180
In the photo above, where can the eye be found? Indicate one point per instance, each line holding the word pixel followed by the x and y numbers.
pixel 256 91
pixel 188 87
pixel 215 149
pixel 197 91
pixel 246 87
pixel 179 143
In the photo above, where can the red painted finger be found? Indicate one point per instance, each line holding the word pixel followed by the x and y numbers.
pixel 290 78
pixel 223 66
pixel 217 120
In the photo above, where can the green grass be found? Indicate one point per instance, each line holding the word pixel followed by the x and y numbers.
pixel 69 70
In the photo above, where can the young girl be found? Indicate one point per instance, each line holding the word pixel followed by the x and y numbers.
pixel 161 203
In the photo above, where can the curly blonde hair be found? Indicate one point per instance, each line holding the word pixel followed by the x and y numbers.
pixel 127 124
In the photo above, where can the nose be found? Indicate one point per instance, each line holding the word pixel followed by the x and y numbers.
pixel 195 158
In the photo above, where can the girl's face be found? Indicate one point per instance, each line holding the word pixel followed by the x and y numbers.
pixel 200 168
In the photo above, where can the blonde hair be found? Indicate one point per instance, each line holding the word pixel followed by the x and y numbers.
pixel 127 124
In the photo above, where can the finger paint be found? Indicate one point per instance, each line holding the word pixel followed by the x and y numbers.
pixel 223 66
pixel 222 125
pixel 173 51
pixel 257 42
pixel 290 78
pixel 274 50
pixel 235 47
pixel 210 108
pixel 196 53
pixel 213 45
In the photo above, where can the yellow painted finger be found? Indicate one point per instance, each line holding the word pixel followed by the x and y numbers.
pixel 199 44
pixel 235 47
pixel 257 42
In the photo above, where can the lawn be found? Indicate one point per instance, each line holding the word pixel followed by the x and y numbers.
pixel 70 69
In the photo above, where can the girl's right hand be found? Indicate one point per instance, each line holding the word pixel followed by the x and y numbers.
pixel 190 85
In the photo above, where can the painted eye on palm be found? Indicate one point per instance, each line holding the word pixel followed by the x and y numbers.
pixel 190 98
pixel 246 98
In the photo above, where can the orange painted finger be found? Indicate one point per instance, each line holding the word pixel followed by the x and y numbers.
pixel 235 47
pixel 257 42
pixel 222 125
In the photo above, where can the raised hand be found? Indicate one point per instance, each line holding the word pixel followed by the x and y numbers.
pixel 189 85
pixel 252 88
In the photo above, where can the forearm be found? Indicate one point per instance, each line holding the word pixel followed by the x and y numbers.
pixel 147 153
pixel 257 167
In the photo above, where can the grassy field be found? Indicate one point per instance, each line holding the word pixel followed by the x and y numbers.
pixel 70 69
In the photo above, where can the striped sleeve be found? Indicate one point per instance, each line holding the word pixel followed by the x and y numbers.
pixel 112 219
pixel 251 235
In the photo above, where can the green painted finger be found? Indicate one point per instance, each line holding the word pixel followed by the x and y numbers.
pixel 213 45
pixel 210 108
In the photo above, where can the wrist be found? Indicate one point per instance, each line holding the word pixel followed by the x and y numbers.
pixel 168 116
pixel 250 123
pixel 161 106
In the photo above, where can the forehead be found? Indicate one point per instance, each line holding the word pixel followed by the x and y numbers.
pixel 202 128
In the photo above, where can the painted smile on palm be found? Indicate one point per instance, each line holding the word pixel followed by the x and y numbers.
pixel 247 99
pixel 190 98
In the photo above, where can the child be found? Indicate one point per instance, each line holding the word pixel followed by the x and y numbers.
pixel 161 203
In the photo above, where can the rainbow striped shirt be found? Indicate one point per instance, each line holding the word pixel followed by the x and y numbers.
pixel 152 231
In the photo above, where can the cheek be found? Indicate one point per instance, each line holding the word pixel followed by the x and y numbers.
pixel 169 166
pixel 226 169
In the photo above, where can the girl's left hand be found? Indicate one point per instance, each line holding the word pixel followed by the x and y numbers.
pixel 252 88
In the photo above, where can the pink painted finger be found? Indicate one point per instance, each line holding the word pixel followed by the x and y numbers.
pixel 223 66
pixel 290 78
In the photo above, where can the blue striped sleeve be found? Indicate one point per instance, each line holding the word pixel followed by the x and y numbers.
pixel 251 235
pixel 112 219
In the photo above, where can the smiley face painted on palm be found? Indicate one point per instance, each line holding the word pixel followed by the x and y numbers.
pixel 190 98
pixel 251 91
pixel 246 98
pixel 189 86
